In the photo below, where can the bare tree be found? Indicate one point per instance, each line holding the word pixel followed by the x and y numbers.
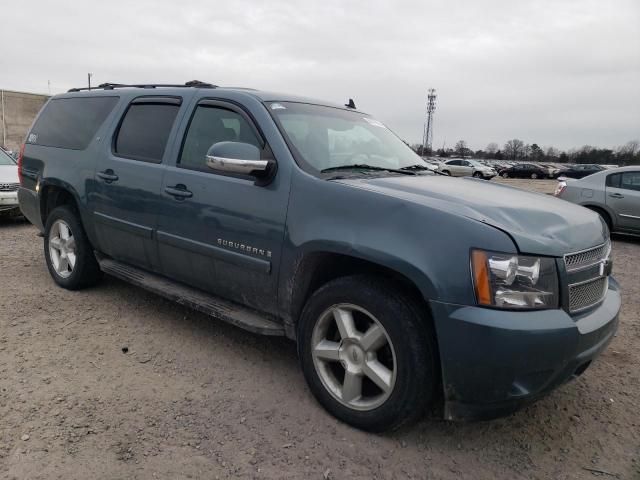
pixel 491 149
pixel 461 148
pixel 514 149
pixel 552 153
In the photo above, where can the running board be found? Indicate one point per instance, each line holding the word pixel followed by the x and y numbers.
pixel 211 305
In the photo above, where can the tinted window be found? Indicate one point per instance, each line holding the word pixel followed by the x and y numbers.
pixel 453 162
pixel 631 181
pixel 211 125
pixel 71 122
pixel 145 130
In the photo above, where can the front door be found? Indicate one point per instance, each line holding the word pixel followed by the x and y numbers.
pixel 124 195
pixel 623 197
pixel 220 232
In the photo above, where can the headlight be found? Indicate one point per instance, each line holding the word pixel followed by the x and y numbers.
pixel 505 280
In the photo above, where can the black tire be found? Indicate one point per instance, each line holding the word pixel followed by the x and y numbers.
pixel 409 329
pixel 534 176
pixel 446 172
pixel 477 175
pixel 86 271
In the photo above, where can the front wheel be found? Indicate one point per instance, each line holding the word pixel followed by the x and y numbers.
pixel 367 353
pixel 534 176
pixel 67 250
pixel 477 175
pixel 505 175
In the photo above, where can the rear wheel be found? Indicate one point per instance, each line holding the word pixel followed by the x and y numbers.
pixel 534 175
pixel 367 354
pixel 477 175
pixel 67 251
pixel 505 174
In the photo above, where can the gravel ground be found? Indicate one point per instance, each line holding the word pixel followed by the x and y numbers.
pixel 114 382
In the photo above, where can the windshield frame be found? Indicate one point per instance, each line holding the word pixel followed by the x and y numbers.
pixel 310 169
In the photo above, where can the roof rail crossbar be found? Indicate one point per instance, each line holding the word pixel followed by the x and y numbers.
pixel 112 86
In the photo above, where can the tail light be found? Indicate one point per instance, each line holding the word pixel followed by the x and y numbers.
pixel 20 159
pixel 560 188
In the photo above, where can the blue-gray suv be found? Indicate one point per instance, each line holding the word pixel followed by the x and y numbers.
pixel 404 289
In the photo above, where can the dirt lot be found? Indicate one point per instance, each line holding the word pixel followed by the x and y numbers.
pixel 195 398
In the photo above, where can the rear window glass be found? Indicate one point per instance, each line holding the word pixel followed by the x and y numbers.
pixel 145 130
pixel 71 123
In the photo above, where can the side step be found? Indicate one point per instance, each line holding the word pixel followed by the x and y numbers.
pixel 224 310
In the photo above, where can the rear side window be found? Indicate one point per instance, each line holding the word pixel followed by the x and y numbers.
pixel 211 125
pixel 631 181
pixel 614 180
pixel 144 131
pixel 71 123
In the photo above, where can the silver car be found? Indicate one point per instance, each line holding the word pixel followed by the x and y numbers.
pixel 614 194
pixel 8 185
pixel 460 167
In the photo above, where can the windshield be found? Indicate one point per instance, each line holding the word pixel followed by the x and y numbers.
pixel 326 138
pixel 5 159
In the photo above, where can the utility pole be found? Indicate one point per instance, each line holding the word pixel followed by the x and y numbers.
pixel 427 137
pixel 89 75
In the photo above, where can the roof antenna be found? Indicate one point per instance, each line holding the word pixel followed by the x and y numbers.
pixel 351 104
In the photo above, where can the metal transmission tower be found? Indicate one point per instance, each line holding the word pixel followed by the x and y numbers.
pixel 427 137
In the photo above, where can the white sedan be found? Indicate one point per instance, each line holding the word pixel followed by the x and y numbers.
pixel 9 184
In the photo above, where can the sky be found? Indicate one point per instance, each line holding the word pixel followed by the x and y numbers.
pixel 561 73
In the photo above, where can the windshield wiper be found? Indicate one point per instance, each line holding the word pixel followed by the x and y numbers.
pixel 417 166
pixel 364 166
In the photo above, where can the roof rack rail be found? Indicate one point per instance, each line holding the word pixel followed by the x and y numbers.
pixel 112 86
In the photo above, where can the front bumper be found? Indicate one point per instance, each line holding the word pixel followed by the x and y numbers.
pixel 495 361
pixel 8 201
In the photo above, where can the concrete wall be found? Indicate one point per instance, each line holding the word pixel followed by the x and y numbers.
pixel 18 109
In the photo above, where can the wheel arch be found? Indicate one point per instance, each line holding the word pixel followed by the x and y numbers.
pixel 604 211
pixel 314 269
pixel 55 193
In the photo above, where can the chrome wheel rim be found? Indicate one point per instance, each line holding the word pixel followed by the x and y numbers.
pixel 354 357
pixel 62 249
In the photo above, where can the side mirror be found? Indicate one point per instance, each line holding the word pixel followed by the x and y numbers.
pixel 237 157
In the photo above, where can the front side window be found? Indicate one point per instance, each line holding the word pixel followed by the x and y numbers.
pixel 326 137
pixel 211 125
pixel 631 181
pixel 144 131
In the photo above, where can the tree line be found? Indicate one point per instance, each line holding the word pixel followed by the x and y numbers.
pixel 517 150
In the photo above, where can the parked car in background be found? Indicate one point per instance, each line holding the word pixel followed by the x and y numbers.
pixel 580 171
pixel 552 170
pixel 286 217
pixel 459 167
pixel 9 183
pixel 524 170
pixel 614 194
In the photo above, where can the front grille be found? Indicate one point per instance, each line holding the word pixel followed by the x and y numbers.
pixel 575 261
pixel 585 295
pixel 9 187
pixel 587 272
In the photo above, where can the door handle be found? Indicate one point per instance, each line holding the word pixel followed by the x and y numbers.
pixel 108 176
pixel 616 195
pixel 179 192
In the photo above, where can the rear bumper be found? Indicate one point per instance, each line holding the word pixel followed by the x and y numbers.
pixel 30 206
pixel 494 362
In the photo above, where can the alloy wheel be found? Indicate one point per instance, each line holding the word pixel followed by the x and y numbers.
pixel 62 248
pixel 354 357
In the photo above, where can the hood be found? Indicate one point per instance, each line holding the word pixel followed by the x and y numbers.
pixel 9 174
pixel 539 224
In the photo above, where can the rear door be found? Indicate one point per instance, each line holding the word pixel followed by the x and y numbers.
pixel 623 197
pixel 221 232
pixel 124 195
pixel 466 169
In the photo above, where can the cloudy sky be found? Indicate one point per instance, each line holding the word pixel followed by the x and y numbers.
pixel 555 72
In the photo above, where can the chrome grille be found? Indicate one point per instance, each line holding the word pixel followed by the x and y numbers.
pixel 575 261
pixel 9 187
pixel 585 295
